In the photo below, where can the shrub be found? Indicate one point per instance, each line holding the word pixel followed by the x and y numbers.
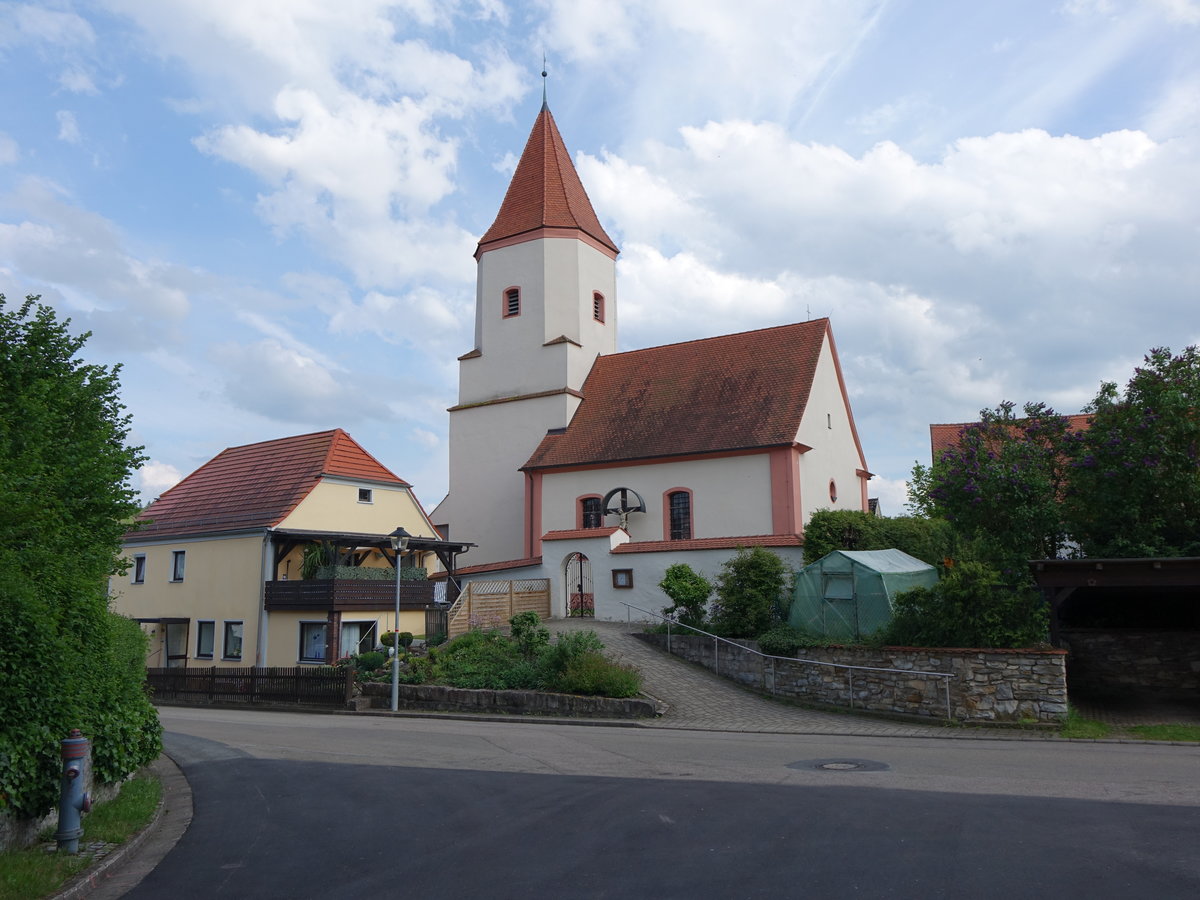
pixel 752 592
pixel 528 633
pixel 784 640
pixel 970 607
pixel 482 659
pixel 594 674
pixel 369 661
pixel 557 657
pixel 689 592
pixel 929 540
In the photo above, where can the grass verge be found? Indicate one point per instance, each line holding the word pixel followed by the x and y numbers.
pixel 36 873
pixel 1167 732
pixel 1076 726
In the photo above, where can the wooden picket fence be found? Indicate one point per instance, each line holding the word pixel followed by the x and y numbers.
pixel 307 685
pixel 490 604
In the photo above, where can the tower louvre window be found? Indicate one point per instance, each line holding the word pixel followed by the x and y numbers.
pixel 598 306
pixel 512 302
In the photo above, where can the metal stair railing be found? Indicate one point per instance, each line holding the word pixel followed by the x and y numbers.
pixel 850 669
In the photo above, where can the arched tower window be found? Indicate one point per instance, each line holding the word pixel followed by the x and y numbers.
pixel 598 306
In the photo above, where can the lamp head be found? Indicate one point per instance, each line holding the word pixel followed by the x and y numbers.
pixel 399 539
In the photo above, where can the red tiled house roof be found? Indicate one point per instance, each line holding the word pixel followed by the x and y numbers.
pixel 258 485
pixel 717 395
pixel 943 437
pixel 545 192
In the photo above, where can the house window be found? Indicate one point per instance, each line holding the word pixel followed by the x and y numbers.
pixel 365 495
pixel 679 515
pixel 177 557
pixel 206 634
pixel 231 641
pixel 358 637
pixel 512 302
pixel 139 569
pixel 622 578
pixel 590 513
pixel 312 642
pixel 598 306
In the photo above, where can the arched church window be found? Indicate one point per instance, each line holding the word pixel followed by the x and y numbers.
pixel 512 302
pixel 590 513
pixel 679 514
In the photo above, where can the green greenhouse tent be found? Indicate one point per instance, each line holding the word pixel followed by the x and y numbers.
pixel 848 594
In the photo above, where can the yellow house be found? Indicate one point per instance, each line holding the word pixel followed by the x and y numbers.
pixel 262 557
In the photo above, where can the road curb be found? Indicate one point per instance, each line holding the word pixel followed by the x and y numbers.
pixel 120 870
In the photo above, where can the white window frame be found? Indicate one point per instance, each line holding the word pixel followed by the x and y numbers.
pixel 138 575
pixel 366 495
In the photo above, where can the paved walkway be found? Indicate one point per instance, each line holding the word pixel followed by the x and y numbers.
pixel 698 699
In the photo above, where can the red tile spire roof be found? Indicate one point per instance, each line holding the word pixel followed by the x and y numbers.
pixel 718 395
pixel 258 485
pixel 545 192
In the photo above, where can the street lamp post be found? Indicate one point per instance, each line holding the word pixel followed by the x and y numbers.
pixel 399 539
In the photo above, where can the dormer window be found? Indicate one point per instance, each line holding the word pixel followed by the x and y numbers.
pixel 512 302
pixel 598 306
pixel 366 495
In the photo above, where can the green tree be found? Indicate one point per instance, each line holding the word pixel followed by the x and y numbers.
pixel 1135 476
pixel 65 660
pixel 972 606
pixel 689 592
pixel 930 540
pixel 752 593
pixel 1003 484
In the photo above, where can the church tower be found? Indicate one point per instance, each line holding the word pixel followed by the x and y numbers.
pixel 545 308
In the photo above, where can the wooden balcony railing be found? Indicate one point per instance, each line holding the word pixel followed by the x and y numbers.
pixel 345 594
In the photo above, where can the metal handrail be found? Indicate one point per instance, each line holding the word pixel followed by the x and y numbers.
pixel 717 639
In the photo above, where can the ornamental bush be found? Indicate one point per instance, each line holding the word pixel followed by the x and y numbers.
pixel 689 592
pixel 752 593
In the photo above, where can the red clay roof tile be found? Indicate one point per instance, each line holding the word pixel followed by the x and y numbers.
pixel 257 485
pixel 721 394
pixel 545 191
pixel 943 437
pixel 717 543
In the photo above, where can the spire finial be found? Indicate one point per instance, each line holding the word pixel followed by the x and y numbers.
pixel 543 79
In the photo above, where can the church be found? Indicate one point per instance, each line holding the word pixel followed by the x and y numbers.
pixel 598 469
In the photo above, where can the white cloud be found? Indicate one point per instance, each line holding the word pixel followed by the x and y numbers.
pixel 68 127
pixel 77 81
pixel 10 151
pixel 155 477
pixel 27 22
pixel 286 385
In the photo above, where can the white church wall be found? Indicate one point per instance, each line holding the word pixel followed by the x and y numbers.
pixel 488 444
pixel 834 456
pixel 730 496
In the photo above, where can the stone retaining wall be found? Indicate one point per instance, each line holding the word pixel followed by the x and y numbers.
pixel 1103 660
pixel 988 686
pixel 439 698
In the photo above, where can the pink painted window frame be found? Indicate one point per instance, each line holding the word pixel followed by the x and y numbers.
pixel 691 517
pixel 504 302
pixel 579 510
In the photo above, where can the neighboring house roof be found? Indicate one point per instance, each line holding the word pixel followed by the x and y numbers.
pixel 545 191
pixel 717 395
pixel 943 437
pixel 258 485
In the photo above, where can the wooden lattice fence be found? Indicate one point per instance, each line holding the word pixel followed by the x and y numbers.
pixel 490 604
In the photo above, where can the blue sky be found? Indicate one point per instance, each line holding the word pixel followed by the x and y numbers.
pixel 265 210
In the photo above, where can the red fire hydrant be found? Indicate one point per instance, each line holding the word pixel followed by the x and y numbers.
pixel 73 798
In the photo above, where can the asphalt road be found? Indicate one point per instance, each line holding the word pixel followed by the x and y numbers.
pixel 296 806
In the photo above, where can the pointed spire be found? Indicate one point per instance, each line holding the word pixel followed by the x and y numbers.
pixel 545 192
